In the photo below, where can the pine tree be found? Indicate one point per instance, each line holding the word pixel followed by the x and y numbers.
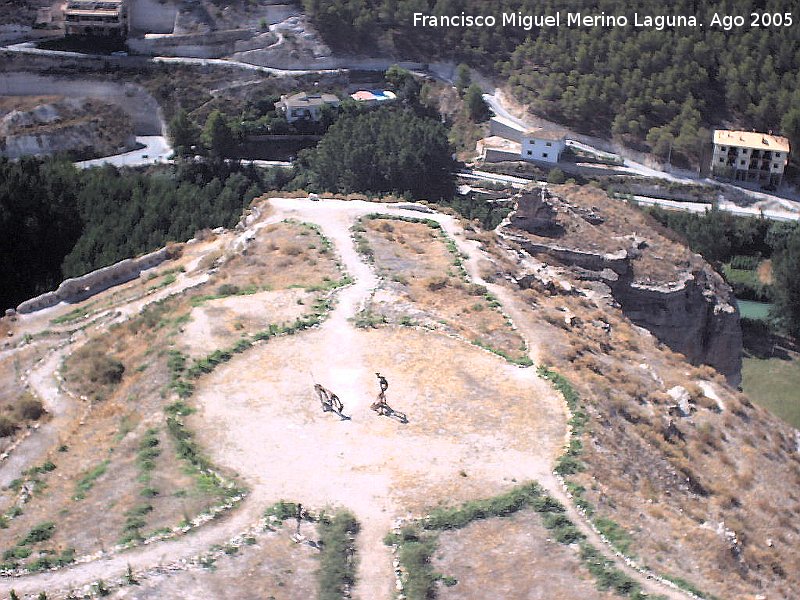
pixel 183 132
pixel 217 136
pixel 477 109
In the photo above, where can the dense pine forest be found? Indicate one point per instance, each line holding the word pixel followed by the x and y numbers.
pixel 57 221
pixel 657 90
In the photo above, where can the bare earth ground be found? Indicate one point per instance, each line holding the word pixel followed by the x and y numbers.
pixel 273 567
pixel 517 561
pixel 496 425
pixel 477 424
pixel 218 323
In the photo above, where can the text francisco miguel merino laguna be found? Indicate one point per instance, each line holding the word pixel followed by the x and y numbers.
pixel 568 19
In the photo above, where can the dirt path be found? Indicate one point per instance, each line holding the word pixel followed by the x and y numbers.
pixel 477 424
pixel 62 408
pixel 62 411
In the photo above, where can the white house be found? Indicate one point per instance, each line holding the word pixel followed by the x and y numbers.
pixel 305 106
pixel 545 145
pixel 509 141
pixel 749 156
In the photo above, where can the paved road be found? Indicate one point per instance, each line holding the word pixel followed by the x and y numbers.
pixel 700 207
pixel 515 182
pixel 156 150
pixel 767 204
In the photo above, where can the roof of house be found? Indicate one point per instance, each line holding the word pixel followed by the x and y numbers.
pixel 362 95
pixel 508 123
pixel 305 99
pixel 540 133
pixel 94 5
pixel 751 139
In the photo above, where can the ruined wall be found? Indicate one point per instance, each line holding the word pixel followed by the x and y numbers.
pixel 77 289
pixel 694 312
pixel 617 262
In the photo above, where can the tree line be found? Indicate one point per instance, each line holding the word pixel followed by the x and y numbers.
pixel 721 237
pixel 57 221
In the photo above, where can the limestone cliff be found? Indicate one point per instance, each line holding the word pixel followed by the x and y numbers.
pixel 86 127
pixel 659 284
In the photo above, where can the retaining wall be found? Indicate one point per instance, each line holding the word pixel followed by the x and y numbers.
pixel 509 131
pixel 152 16
pixel 193 45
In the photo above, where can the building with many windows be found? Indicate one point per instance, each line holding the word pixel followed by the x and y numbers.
pixel 96 17
pixel 749 156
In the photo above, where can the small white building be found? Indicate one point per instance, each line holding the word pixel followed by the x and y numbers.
pixel 507 140
pixel 544 145
pixel 305 106
pixel 749 156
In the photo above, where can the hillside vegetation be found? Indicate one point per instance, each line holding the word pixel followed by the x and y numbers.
pixel 638 84
pixel 57 221
pixel 739 244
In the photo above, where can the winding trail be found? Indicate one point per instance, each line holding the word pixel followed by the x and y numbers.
pixel 358 463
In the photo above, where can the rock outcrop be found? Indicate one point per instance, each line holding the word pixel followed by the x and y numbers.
pixel 659 284
pixel 87 127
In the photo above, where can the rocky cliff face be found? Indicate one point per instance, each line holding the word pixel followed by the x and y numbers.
pixel 87 127
pixel 659 284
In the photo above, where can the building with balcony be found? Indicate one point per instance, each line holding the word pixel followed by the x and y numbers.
pixel 749 156
pixel 96 17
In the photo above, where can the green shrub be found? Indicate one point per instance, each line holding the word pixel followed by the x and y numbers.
pixel 414 552
pixel 228 289
pixel 615 534
pixel 688 586
pixel 40 533
pixel 30 407
pixel 606 575
pixel 7 426
pixel 87 481
pixel 337 567
pixel 105 370
pixel 562 528
pixel 747 263
pixel 499 506
pixel 282 510
pixel 19 552
pixel 41 564
pixel 567 465
pixel 556 176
